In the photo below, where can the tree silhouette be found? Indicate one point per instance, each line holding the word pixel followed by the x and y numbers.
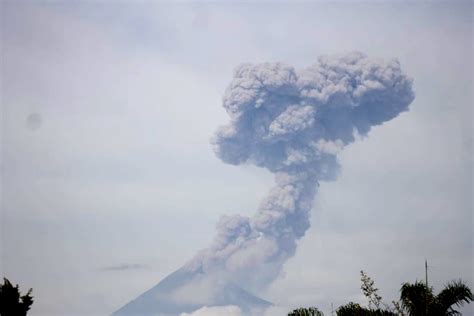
pixel 353 309
pixel 12 303
pixel 310 311
pixel 418 299
pixel 370 291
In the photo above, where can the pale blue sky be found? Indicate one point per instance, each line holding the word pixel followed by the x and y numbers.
pixel 119 186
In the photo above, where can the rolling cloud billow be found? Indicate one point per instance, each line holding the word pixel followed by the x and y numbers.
pixel 294 123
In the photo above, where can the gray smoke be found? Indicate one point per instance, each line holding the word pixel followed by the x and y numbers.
pixel 293 123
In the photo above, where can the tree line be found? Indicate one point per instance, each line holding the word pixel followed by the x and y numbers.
pixel 416 299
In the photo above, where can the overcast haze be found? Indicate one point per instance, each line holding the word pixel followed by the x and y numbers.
pixel 109 181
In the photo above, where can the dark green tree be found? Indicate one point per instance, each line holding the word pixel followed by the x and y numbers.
pixel 418 299
pixel 350 309
pixel 353 309
pixel 12 303
pixel 310 311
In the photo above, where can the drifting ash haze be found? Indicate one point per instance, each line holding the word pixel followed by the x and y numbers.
pixel 293 123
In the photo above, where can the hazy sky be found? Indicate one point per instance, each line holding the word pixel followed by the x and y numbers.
pixel 109 182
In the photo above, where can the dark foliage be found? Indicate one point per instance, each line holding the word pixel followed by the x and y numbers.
pixel 12 303
pixel 310 311
pixel 353 309
pixel 418 299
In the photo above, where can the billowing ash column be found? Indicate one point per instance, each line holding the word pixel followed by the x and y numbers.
pixel 293 123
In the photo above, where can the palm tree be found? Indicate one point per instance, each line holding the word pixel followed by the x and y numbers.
pixel 418 299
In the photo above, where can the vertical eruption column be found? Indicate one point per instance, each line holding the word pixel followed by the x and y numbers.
pixel 293 123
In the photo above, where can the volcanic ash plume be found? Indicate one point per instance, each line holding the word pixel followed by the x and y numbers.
pixel 293 123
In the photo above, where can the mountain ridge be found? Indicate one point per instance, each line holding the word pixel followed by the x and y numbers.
pixel 185 291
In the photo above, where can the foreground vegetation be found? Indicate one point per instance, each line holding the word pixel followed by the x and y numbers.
pixel 416 299
pixel 12 303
